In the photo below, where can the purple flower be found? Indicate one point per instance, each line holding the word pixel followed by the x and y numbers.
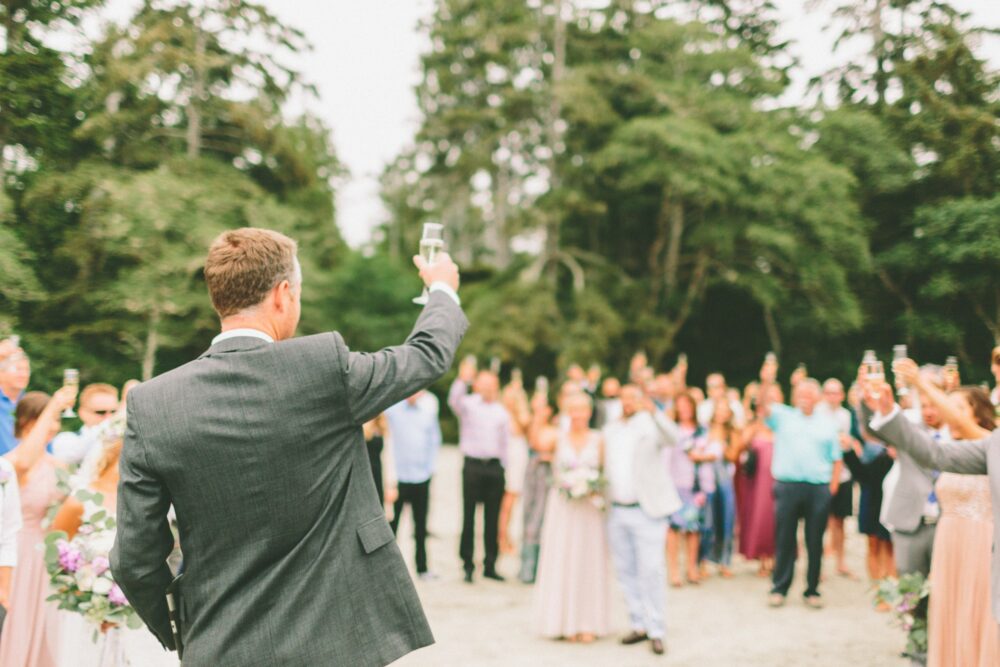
pixel 70 557
pixel 101 565
pixel 116 597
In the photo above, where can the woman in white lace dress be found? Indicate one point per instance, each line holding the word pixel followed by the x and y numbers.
pixel 82 644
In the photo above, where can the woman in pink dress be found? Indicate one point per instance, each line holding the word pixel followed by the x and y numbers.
pixel 756 511
pixel 572 591
pixel 961 627
pixel 30 633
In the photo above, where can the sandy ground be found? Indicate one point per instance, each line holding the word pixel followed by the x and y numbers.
pixel 721 622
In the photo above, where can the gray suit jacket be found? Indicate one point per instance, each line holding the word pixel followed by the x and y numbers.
pixel 978 457
pixel 288 557
pixel 906 505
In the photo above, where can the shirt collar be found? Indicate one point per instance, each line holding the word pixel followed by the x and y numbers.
pixel 237 333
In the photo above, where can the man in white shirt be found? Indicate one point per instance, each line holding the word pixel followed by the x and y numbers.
pixel 642 497
pixel 842 504
pixel 98 403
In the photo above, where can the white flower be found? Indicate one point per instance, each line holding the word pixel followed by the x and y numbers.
pixel 85 578
pixel 102 586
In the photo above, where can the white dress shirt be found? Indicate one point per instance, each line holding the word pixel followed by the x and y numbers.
pixel 10 514
pixel 619 462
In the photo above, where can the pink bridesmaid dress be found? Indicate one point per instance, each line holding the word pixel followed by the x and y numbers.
pixel 30 633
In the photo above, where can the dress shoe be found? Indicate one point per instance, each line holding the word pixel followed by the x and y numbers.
pixel 493 575
pixel 814 601
pixel 634 637
pixel 658 647
pixel 468 576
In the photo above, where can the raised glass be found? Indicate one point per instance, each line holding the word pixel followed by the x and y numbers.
pixel 899 352
pixel 71 378
pixel 431 245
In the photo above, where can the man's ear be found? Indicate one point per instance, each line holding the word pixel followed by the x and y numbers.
pixel 277 295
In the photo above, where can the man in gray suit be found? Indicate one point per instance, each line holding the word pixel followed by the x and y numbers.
pixel 912 510
pixel 970 457
pixel 257 444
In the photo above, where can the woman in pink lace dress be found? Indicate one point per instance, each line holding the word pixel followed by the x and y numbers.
pixel 962 630
pixel 30 634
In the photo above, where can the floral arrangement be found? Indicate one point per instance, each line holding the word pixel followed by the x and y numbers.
pixel 80 572
pixel 905 596
pixel 583 483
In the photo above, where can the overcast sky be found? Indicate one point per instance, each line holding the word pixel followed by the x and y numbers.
pixel 365 65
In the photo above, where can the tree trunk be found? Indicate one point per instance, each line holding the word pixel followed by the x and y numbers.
pixel 501 209
pixel 676 210
pixel 152 343
pixel 878 37
pixel 552 244
pixel 772 331
pixel 197 93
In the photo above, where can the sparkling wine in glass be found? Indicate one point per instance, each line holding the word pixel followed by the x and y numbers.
pixel 542 385
pixel 951 373
pixel 71 378
pixel 899 352
pixel 431 245
pixel 874 371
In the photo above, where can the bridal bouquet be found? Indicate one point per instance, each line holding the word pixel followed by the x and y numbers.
pixel 80 573
pixel 905 596
pixel 583 483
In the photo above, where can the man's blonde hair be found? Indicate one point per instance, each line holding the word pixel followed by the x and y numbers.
pixel 243 265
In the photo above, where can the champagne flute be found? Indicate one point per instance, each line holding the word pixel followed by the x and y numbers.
pixel 431 244
pixel 874 371
pixel 951 373
pixel 71 378
pixel 899 352
pixel 495 366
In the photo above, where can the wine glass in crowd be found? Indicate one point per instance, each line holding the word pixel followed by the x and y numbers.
pixel 899 353
pixel 874 371
pixel 951 378
pixel 71 378
pixel 431 245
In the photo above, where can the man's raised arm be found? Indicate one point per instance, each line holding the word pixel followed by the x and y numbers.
pixel 375 381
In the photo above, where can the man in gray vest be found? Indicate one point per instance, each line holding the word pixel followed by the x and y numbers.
pixel 257 444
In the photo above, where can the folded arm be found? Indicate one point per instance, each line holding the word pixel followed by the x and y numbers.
pixel 144 540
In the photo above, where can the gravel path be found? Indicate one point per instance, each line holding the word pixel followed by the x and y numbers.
pixel 721 622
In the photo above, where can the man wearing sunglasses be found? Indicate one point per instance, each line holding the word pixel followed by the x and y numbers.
pixel 98 403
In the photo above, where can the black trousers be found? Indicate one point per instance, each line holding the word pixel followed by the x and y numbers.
pixel 482 482
pixel 794 501
pixel 417 497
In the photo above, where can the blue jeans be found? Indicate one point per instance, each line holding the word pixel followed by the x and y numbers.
pixel 638 544
pixel 717 535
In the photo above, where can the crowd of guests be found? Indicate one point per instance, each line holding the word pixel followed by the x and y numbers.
pixel 40 464
pixel 651 481
pixel 662 482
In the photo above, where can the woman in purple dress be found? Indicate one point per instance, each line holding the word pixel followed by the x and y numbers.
pixel 692 485
pixel 756 516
